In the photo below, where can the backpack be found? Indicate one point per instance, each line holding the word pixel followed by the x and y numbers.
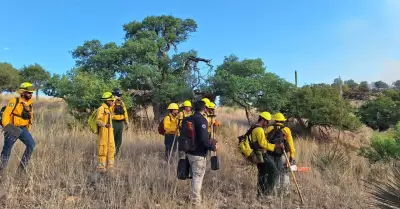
pixel 92 122
pixel 248 148
pixel 161 129
pixel 119 110
pixel 277 135
pixel 187 136
pixel 4 108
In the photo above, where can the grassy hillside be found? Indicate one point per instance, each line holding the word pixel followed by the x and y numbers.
pixel 62 170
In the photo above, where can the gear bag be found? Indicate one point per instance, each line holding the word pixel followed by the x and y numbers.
pixel 277 136
pixel 187 136
pixel 250 149
pixel 92 122
pixel 25 114
pixel 161 129
pixel 119 110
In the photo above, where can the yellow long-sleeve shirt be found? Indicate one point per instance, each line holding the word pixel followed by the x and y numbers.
pixel 258 135
pixel 103 115
pixel 170 124
pixel 14 117
pixel 124 116
pixel 288 137
pixel 182 115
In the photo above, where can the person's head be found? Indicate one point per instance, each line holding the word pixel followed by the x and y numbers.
pixel 264 118
pixel 25 90
pixel 200 106
pixel 117 93
pixel 187 106
pixel 279 118
pixel 173 108
pixel 206 103
pixel 211 108
pixel 108 98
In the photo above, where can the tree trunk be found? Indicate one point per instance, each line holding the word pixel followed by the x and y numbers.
pixel 37 94
pixel 158 110
pixel 247 115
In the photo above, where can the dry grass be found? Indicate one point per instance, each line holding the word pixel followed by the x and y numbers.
pixel 61 173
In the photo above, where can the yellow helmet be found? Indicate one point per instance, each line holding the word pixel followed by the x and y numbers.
pixel 279 117
pixel 26 87
pixel 173 106
pixel 108 96
pixel 187 103
pixel 266 115
pixel 211 105
pixel 207 101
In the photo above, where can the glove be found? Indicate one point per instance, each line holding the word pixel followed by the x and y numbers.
pixel 126 126
pixel 213 141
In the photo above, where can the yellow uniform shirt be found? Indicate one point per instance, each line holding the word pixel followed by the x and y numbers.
pixel 258 135
pixel 14 117
pixel 170 124
pixel 124 116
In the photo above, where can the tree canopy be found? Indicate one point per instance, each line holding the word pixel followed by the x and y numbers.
pixel 35 74
pixel 9 77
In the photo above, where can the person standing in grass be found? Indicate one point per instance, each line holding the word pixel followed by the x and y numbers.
pixel 106 144
pixel 186 112
pixel 282 133
pixel 171 127
pixel 119 119
pixel 197 157
pixel 19 112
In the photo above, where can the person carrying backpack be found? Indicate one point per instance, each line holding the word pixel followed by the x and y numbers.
pixel 171 127
pixel 279 132
pixel 19 113
pixel 106 144
pixel 119 119
pixel 197 155
pixel 267 168
pixel 186 112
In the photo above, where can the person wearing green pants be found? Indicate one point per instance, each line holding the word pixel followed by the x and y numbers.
pixel 120 119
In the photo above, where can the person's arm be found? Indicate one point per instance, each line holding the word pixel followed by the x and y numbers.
pixel 100 116
pixel 125 113
pixel 30 120
pixel 6 119
pixel 167 124
pixel 259 134
pixel 202 134
pixel 289 139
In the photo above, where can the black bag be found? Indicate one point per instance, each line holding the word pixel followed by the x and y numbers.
pixel 187 136
pixel 214 163
pixel 119 110
pixel 277 136
pixel 183 169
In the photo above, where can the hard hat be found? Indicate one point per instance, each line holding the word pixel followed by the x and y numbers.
pixel 207 101
pixel 211 105
pixel 26 87
pixel 117 92
pixel 173 106
pixel 108 96
pixel 266 115
pixel 279 117
pixel 187 103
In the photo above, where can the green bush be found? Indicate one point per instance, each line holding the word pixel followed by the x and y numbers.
pixel 384 146
pixel 380 114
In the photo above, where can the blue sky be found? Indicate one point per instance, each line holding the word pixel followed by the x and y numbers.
pixel 357 39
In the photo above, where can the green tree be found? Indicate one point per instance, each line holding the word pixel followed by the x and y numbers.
pixel 381 85
pixel 396 84
pixel 363 87
pixel 146 62
pixel 320 105
pixel 35 74
pixel 247 84
pixel 9 77
pixel 351 84
pixel 380 114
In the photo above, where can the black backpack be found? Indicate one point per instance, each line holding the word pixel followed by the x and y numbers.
pixel 187 137
pixel 119 109
pixel 277 135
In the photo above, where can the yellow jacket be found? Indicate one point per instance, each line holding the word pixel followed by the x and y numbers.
pixel 288 138
pixel 123 117
pixel 182 115
pixel 103 115
pixel 212 121
pixel 14 117
pixel 170 124
pixel 258 135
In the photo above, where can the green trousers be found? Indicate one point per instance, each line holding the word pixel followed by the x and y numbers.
pixel 118 127
pixel 268 174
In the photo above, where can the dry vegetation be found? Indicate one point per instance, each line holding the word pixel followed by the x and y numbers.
pixel 61 173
